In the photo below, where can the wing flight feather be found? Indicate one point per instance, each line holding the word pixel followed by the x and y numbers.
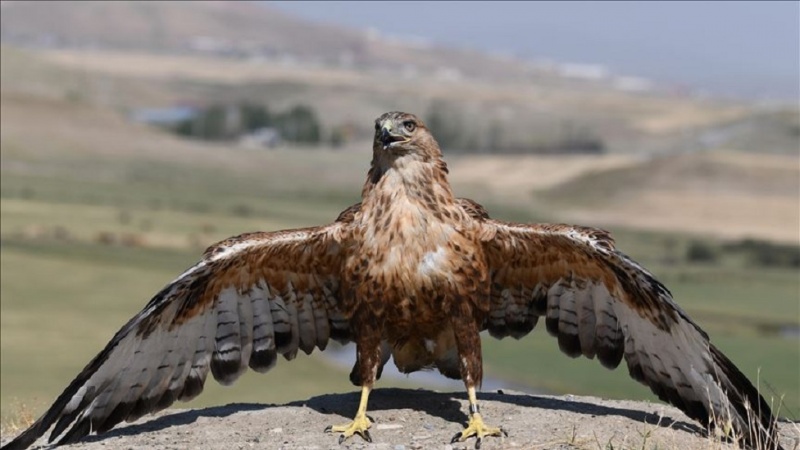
pixel 249 299
pixel 600 303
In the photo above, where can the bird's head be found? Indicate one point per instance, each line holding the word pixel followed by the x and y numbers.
pixel 398 134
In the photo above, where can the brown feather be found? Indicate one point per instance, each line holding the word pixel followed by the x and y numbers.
pixel 601 303
pixel 411 272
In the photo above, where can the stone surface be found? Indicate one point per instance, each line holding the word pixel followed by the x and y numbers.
pixel 429 420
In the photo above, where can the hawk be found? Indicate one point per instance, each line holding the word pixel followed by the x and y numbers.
pixel 412 273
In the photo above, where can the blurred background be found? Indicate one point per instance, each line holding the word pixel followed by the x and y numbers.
pixel 135 134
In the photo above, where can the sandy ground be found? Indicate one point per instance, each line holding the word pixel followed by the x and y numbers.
pixel 420 419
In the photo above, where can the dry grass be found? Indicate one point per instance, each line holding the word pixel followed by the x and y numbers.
pixel 680 117
pixel 515 177
pixel 724 194
pixel 646 436
pixel 727 216
pixel 19 417
pixel 659 436
pixel 168 67
pixel 724 436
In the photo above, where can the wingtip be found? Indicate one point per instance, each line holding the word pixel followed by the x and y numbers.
pixel 26 438
pixel 762 424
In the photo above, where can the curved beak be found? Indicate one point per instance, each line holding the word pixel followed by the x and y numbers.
pixel 387 136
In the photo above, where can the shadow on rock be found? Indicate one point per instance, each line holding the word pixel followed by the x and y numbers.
pixel 443 405
pixel 592 409
pixel 447 406
pixel 177 419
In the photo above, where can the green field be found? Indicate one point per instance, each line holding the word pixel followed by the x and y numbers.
pixel 98 214
pixel 64 293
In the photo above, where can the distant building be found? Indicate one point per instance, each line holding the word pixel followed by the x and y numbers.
pixel 265 137
pixel 632 84
pixel 584 71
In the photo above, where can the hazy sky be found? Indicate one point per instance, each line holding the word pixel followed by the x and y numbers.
pixel 732 48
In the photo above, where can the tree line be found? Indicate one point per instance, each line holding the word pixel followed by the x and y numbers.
pixel 220 122
pixel 300 124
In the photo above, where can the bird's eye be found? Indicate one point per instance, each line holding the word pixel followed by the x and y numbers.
pixel 410 126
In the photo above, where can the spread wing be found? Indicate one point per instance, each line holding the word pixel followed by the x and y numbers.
pixel 600 303
pixel 248 300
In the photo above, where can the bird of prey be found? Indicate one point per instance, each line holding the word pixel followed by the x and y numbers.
pixel 412 273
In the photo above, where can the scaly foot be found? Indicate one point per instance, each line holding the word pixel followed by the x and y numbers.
pixel 478 429
pixel 360 426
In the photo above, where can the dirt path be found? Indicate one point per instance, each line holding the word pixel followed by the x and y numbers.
pixel 420 419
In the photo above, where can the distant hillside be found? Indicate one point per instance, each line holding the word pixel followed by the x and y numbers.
pixel 168 26
pixel 724 194
pixel 126 55
pixel 496 115
pixel 235 29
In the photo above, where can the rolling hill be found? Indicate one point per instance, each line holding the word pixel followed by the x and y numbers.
pixel 721 194
pixel 99 211
pixel 234 29
pixel 132 54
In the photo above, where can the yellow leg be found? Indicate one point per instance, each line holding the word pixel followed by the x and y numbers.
pixel 360 424
pixel 476 427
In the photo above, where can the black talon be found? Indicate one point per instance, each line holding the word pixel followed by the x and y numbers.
pixel 505 433
pixel 456 438
pixel 371 419
pixel 341 439
pixel 478 444
pixel 366 436
pixel 328 429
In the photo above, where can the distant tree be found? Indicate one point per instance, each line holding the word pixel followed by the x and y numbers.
pixel 765 253
pixel 337 137
pixel 186 127
pixel 211 124
pixel 220 121
pixel 254 116
pixel 446 124
pixel 701 252
pixel 575 138
pixel 299 124
pixel 494 138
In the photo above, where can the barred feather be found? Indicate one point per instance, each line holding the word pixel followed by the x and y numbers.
pixel 412 273
pixel 602 304
pixel 222 315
